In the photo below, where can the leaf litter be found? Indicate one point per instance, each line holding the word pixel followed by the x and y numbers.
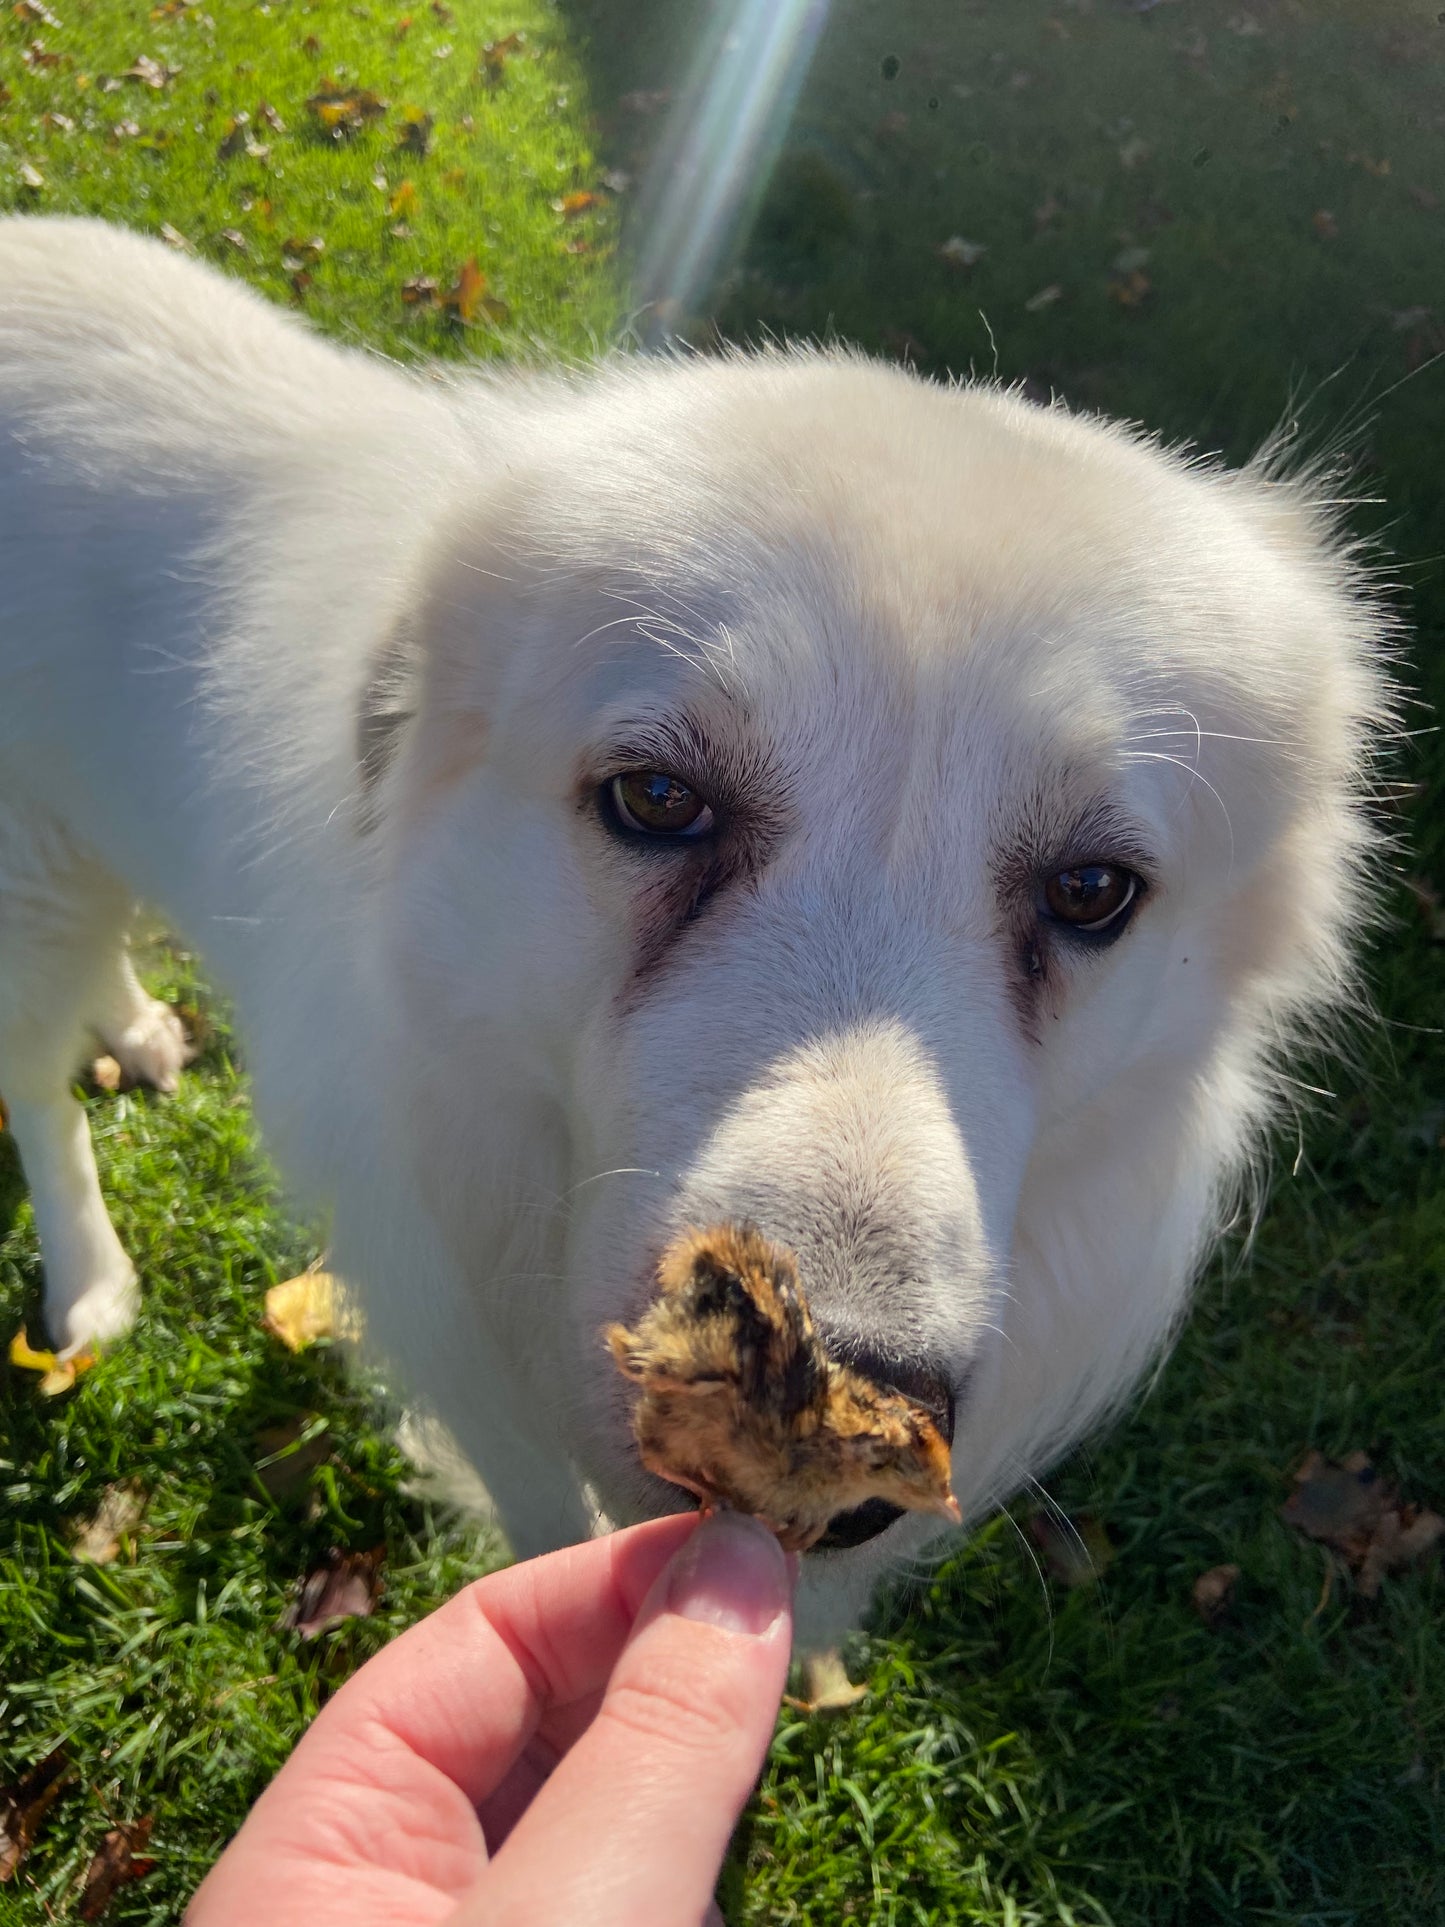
pixel 24 1805
pixel 345 1585
pixel 1348 1507
pixel 116 1863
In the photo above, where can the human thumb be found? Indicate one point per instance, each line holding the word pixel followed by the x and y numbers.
pixel 633 1824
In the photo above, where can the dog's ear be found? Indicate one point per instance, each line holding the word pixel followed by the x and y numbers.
pixel 387 704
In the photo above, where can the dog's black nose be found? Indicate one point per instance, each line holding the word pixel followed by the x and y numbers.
pixel 917 1380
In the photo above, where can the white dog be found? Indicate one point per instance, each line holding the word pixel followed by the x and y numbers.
pixel 772 788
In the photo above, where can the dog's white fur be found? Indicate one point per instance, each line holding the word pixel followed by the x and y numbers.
pixel 328 660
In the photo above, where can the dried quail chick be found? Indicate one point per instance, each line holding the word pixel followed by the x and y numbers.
pixel 739 1402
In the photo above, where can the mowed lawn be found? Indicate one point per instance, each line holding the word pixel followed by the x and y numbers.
pixel 1201 217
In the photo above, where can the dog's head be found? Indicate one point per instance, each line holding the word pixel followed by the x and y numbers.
pixel 900 817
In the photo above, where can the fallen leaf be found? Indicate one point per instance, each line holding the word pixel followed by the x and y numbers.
pixel 266 112
pixel 37 55
pixel 496 54
pixel 298 252
pixel 290 1453
pixel 58 1374
pixel 415 135
pixel 1324 224
pixel 444 52
pixel 1045 298
pixel 31 177
pixel 1131 290
pixel 237 240
pixel 115 1865
pixel 403 200
pixel 420 292
pixel 150 73
pixel 53 122
pixel 98 1540
pixel 1075 1551
pixel 307 1308
pixel 344 112
pixel 960 253
pixel 571 205
pixel 466 292
pixel 32 12
pixel 23 1807
pixel 124 130
pixel 1348 1507
pixel 402 27
pixel 173 238
pixel 311 45
pixel 346 1585
pixel 442 11
pixel 1213 1593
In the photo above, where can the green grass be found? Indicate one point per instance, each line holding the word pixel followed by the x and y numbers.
pixel 1031 1752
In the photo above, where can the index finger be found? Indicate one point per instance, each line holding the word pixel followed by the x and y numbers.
pixel 465 1688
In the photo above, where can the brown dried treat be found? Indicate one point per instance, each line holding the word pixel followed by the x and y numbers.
pixel 740 1404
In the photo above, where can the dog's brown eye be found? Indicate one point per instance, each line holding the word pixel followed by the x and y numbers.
pixel 657 804
pixel 1091 898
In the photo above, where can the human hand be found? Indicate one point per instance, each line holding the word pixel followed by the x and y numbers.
pixel 569 1740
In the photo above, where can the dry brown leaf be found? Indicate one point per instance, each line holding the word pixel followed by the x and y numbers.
pixel 415 134
pixel 346 1585
pixel 23 1807
pixel 115 1865
pixel 33 13
pixel 299 252
pixel 99 1540
pixel 236 239
pixel 1213 1593
pixel 1348 1507
pixel 307 1308
pixel 403 200
pixel 154 74
pixel 1075 1551
pixel 420 292
pixel 342 112
pixel 571 205
pixel 468 299
pixel 496 54
pixel 266 112
pixel 37 56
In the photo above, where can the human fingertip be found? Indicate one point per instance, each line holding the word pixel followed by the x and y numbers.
pixel 732 1573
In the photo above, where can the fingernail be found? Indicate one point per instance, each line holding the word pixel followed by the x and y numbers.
pixel 731 1573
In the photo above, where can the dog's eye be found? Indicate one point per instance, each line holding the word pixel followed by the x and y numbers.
pixel 1091 899
pixel 653 803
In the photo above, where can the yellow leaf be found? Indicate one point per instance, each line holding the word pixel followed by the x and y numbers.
pixel 404 199
pixel 312 1306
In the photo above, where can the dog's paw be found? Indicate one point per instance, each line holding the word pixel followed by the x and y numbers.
pixel 102 1311
pixel 152 1048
